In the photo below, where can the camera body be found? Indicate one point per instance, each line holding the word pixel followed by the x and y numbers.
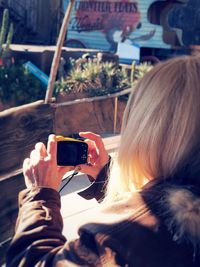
pixel 70 151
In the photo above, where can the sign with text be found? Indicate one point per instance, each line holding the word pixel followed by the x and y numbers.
pixel 105 24
pixel 113 18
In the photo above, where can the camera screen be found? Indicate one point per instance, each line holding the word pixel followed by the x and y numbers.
pixel 67 152
pixel 71 153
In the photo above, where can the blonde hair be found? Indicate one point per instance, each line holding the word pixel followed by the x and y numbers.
pixel 161 125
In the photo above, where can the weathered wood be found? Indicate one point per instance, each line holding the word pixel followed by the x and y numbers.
pixel 9 188
pixel 95 116
pixel 20 129
pixel 58 51
pixel 112 143
pixel 92 99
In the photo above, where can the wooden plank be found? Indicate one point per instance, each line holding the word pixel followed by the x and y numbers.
pixel 9 188
pixel 20 129
pixel 96 116
pixel 112 143
pixel 95 98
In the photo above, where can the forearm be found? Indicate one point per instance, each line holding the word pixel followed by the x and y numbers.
pixel 38 240
pixel 38 229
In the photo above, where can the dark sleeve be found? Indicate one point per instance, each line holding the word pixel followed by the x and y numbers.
pixel 38 227
pixel 38 240
pixel 97 188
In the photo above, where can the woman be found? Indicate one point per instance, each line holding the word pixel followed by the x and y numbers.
pixel 150 215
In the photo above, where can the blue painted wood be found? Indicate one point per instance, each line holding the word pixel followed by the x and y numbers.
pixel 37 72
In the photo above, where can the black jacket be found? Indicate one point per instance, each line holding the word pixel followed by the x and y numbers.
pixel 156 227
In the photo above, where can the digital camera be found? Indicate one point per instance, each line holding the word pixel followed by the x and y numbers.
pixel 70 151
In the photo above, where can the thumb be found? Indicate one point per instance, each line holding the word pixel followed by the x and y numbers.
pixel 62 170
pixel 89 170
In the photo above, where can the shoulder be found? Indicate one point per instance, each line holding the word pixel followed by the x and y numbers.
pixel 117 228
pixel 109 220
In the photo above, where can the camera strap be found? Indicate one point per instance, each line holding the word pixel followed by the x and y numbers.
pixel 68 178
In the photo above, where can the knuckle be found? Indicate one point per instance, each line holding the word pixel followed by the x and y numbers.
pixel 39 145
pixel 48 160
pixel 32 153
pixel 97 136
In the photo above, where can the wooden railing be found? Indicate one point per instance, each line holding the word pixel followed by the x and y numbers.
pixel 20 128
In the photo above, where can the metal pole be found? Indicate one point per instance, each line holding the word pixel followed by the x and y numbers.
pixel 57 54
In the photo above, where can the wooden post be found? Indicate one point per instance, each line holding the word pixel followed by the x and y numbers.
pixel 57 54
pixel 115 114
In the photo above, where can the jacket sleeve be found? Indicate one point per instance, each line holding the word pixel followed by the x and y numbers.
pixel 97 188
pixel 38 240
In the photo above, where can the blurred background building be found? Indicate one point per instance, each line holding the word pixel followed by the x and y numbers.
pixel 35 21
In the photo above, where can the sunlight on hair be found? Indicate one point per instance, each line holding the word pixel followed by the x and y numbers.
pixel 161 125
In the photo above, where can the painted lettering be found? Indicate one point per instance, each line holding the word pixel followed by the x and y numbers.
pixel 84 24
pixel 125 7
pixel 95 6
pixel 106 6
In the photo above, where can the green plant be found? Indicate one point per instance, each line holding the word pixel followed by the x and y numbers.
pixel 6 35
pixel 18 86
pixel 138 71
pixel 100 78
pixel 93 77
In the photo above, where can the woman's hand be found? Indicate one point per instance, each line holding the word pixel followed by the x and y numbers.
pixel 41 168
pixel 97 154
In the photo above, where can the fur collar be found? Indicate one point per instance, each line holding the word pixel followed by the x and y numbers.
pixel 176 202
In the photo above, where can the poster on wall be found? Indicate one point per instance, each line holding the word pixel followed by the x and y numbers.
pixel 105 24
pixel 116 20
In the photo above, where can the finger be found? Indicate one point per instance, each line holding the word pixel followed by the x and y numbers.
pixel 94 137
pixel 26 165
pixel 40 147
pixel 34 157
pixel 85 168
pixel 89 158
pixel 92 148
pixel 92 159
pixel 27 171
pixel 91 144
pixel 102 153
pixel 89 170
pixel 52 147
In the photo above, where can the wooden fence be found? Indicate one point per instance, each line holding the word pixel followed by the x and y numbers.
pixel 20 129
